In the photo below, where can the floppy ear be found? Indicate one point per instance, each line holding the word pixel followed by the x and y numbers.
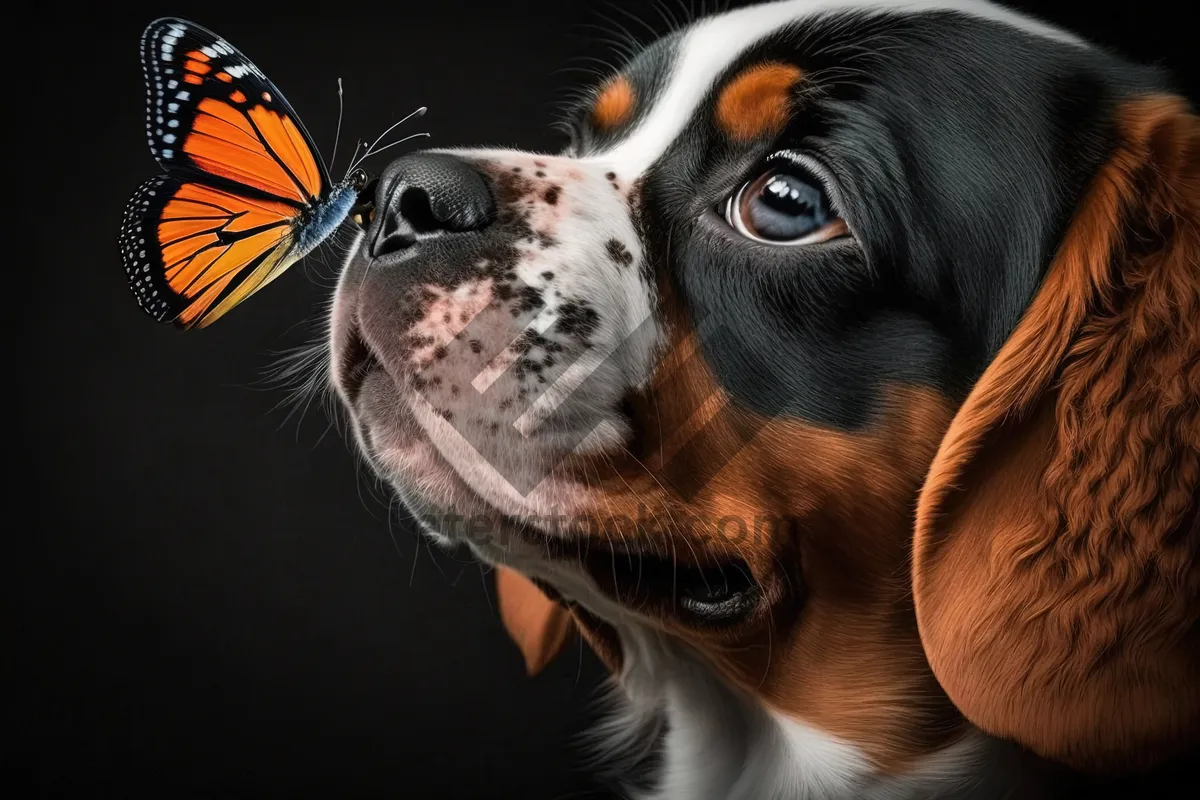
pixel 538 625
pixel 1055 567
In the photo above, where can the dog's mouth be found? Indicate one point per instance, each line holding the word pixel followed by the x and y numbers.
pixel 717 593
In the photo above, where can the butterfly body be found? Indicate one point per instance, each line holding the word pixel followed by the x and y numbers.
pixel 245 194
pixel 326 217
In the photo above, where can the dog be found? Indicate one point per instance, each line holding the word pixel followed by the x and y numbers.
pixel 839 384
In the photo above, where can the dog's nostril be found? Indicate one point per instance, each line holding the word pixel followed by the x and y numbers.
pixel 395 234
pixel 417 211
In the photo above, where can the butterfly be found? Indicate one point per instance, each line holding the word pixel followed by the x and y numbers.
pixel 245 193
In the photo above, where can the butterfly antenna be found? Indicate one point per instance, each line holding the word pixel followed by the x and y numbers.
pixel 393 144
pixel 354 156
pixel 371 148
pixel 337 136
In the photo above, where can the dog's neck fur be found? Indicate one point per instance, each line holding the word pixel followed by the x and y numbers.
pixel 686 732
pixel 715 743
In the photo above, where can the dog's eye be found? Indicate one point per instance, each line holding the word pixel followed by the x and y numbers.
pixel 787 204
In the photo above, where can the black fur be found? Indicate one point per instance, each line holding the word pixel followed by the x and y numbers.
pixel 959 148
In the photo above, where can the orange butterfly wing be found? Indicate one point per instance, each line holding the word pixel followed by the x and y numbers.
pixel 255 146
pixel 242 178
pixel 193 251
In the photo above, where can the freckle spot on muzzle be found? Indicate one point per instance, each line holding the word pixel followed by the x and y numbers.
pixel 618 252
pixel 578 319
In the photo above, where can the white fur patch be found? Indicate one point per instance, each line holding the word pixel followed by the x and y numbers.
pixel 723 745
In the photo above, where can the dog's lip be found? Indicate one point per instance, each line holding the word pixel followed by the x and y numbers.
pixel 356 360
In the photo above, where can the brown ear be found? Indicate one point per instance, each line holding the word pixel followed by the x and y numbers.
pixel 1055 568
pixel 538 625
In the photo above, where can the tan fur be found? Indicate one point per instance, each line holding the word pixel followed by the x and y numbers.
pixel 614 106
pixel 539 626
pixel 757 102
pixel 1057 556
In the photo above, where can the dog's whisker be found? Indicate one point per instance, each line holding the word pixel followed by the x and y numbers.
pixel 620 40
pixel 654 34
pixel 303 372
pixel 608 67
pixel 668 16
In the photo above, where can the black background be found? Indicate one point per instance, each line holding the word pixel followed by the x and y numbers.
pixel 214 599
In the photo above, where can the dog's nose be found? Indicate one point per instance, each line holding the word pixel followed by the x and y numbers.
pixel 428 193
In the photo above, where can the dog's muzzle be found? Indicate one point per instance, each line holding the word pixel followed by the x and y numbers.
pixel 489 324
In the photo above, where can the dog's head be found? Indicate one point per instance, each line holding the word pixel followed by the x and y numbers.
pixel 855 349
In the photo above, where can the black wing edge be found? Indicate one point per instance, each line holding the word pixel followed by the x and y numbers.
pixel 140 251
